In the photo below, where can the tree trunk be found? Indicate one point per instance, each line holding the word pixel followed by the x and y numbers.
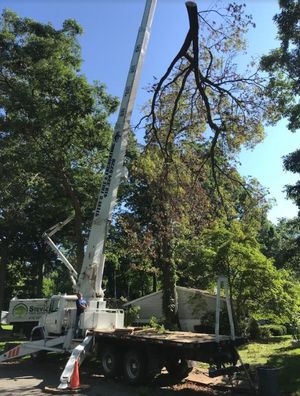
pixel 78 219
pixel 154 282
pixel 3 265
pixel 165 234
pixel 170 298
pixel 40 277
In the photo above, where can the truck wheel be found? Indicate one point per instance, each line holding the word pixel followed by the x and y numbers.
pixel 27 328
pixel 39 355
pixel 110 362
pixel 134 366
pixel 178 368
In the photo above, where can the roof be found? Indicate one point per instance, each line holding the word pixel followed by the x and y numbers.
pixel 187 289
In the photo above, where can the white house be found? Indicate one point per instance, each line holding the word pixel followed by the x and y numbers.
pixel 192 305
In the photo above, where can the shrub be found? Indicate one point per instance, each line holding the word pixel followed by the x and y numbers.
pixel 131 315
pixel 290 328
pixel 253 330
pixel 155 324
pixel 293 328
pixel 296 331
pixel 278 330
pixel 208 323
pixel 264 332
pixel 274 329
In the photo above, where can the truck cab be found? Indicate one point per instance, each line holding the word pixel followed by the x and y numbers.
pixel 61 314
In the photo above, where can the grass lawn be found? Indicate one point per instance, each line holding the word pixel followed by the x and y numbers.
pixel 6 327
pixel 277 352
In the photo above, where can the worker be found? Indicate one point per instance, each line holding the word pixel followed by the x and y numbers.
pixel 81 305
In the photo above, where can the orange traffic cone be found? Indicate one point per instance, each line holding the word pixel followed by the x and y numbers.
pixel 74 380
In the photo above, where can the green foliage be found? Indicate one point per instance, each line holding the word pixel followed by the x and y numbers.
pixel 208 320
pixel 256 286
pixel 283 64
pixel 56 282
pixel 253 330
pixel 281 242
pixel 131 315
pixel 186 177
pixel 155 324
pixel 296 331
pixel 256 331
pixel 53 144
pixel 273 330
pixel 292 163
pixel 264 333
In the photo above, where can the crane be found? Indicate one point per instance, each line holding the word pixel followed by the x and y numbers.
pixel 90 278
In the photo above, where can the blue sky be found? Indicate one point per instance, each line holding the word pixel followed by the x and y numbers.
pixel 110 28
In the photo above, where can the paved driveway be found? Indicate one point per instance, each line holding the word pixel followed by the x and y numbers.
pixel 26 377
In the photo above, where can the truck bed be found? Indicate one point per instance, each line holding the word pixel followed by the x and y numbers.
pixel 193 346
pixel 155 336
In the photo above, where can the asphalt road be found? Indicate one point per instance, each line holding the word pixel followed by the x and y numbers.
pixel 26 377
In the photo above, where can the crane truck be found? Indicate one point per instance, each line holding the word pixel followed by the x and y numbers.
pixel 24 313
pixel 134 353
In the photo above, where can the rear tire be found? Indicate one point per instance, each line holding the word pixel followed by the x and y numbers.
pixel 134 366
pixel 35 336
pixel 178 368
pixel 110 361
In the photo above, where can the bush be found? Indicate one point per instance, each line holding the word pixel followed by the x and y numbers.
pixel 155 324
pixel 253 330
pixel 290 328
pixel 296 332
pixel 264 332
pixel 274 329
pixel 256 331
pixel 131 315
pixel 208 323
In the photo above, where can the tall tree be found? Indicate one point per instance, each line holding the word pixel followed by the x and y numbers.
pixel 283 66
pixel 291 163
pixel 203 98
pixel 257 287
pixel 281 243
pixel 54 135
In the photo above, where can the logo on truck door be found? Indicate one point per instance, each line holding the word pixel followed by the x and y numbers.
pixel 20 310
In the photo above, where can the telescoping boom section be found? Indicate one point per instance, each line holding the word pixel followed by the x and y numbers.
pixel 90 278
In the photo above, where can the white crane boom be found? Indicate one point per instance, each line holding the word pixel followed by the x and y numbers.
pixel 47 236
pixel 90 278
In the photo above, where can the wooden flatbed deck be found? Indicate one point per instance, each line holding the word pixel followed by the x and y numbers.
pixel 187 345
pixel 154 335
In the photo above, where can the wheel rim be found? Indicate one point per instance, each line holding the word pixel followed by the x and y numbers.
pixel 108 363
pixel 133 368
